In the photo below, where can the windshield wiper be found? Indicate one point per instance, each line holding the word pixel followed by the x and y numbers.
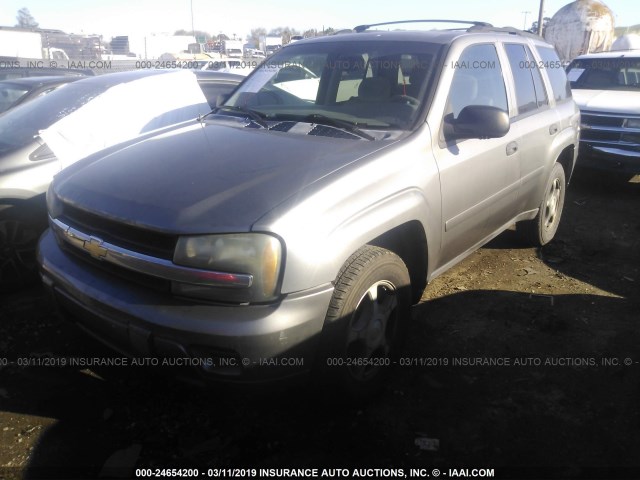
pixel 336 122
pixel 252 114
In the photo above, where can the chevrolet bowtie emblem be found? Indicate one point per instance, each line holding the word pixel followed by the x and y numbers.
pixel 95 248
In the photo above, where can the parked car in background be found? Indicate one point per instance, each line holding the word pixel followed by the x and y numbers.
pixel 606 87
pixel 229 65
pixel 9 73
pixel 289 230
pixel 20 90
pixel 41 137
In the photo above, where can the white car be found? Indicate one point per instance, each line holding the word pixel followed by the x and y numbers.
pixel 47 134
pixel 229 65
pixel 606 87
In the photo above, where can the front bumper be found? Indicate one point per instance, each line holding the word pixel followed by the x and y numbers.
pixel 240 343
pixel 608 157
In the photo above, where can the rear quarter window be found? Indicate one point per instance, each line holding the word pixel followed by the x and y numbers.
pixel 552 65
pixel 530 93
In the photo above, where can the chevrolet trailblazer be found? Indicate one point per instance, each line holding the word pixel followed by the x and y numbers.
pixel 304 216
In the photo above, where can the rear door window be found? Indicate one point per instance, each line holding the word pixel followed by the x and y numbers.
pixel 530 91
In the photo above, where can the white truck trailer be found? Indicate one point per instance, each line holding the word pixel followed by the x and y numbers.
pixel 20 44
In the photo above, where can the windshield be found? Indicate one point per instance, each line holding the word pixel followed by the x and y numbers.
pixel 19 126
pixel 368 84
pixel 10 94
pixel 605 74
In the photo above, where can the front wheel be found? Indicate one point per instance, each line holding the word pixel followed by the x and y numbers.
pixel 366 320
pixel 543 227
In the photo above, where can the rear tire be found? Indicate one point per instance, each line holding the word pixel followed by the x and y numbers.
pixel 543 227
pixel 366 321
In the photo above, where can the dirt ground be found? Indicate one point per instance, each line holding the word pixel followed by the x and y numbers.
pixel 524 361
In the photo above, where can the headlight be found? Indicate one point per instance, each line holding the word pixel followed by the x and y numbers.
pixel 633 123
pixel 255 254
pixel 54 206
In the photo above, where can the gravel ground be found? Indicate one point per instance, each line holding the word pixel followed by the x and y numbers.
pixel 517 358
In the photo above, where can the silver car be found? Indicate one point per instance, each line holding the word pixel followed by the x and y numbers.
pixel 39 138
pixel 294 227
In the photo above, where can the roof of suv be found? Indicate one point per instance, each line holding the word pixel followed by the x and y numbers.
pixel 442 36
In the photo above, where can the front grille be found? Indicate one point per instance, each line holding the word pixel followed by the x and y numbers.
pixel 601 120
pixel 142 279
pixel 600 136
pixel 608 129
pixel 149 242
pixel 632 138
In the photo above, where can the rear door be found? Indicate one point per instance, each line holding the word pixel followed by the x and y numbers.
pixel 536 123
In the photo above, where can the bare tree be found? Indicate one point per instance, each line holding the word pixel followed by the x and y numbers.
pixel 255 35
pixel 285 33
pixel 196 33
pixel 534 26
pixel 25 19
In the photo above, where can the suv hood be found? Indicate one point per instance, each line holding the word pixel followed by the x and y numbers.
pixel 607 101
pixel 204 178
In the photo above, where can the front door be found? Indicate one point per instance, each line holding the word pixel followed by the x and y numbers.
pixel 479 177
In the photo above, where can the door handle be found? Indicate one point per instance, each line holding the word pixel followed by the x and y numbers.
pixel 512 148
pixel 553 129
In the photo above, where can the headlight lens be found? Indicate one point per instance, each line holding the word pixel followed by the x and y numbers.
pixel 54 206
pixel 633 123
pixel 256 254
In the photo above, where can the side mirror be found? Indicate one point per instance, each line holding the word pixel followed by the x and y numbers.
pixel 480 121
pixel 221 99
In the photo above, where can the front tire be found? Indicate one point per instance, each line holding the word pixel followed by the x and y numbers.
pixel 366 321
pixel 543 227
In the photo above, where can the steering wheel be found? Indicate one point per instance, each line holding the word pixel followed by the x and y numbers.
pixel 406 99
pixel 293 72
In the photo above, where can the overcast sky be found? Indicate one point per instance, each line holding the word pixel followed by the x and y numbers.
pixel 140 17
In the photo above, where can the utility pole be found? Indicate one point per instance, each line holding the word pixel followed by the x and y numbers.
pixel 540 17
pixel 193 31
pixel 524 26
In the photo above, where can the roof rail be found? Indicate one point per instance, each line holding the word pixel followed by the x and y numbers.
pixel 362 28
pixel 509 30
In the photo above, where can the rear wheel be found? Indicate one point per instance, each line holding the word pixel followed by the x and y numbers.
pixel 366 320
pixel 20 229
pixel 543 227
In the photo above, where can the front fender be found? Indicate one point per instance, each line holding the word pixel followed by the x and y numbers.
pixel 352 207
